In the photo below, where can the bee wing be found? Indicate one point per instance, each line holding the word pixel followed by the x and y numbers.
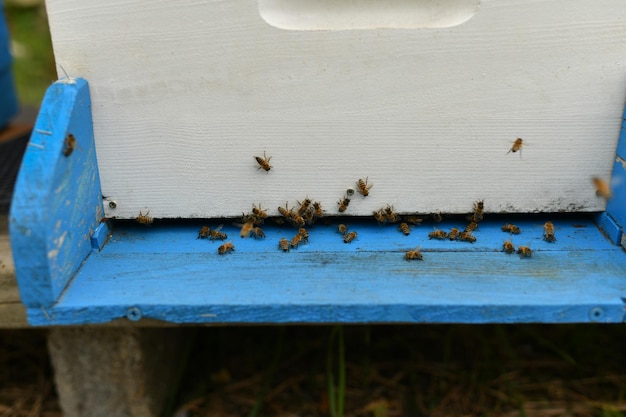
pixel 218 228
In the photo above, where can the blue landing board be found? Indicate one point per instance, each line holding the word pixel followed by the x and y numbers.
pixel 163 272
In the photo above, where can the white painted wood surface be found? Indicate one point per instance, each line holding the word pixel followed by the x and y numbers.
pixel 185 93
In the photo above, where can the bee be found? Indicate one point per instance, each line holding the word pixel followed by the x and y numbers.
pixel 304 206
pixel 438 234
pixel 414 254
pixel 144 218
pixel 343 229
pixel 309 216
pixel 467 237
pixel 204 232
pixel 278 220
pixel 517 146
pixel 343 204
pixel 454 233
pixel 258 233
pixel 413 219
pixel 263 162
pixel 69 145
pixel 284 244
pixel 304 233
pixel 511 228
pixel 246 229
pixel 391 215
pixel 437 217
pixel 471 227
pixel 226 248
pixel 479 206
pixel 216 234
pixel 404 228
pixel 285 210
pixel 259 212
pixel 508 247
pixel 349 237
pixel 297 219
pixel 295 242
pixel 524 252
pixel 548 232
pixel 363 188
pixel 603 189
pixel 317 209
pixel 380 216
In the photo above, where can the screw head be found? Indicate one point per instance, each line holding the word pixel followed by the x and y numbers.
pixel 350 192
pixel 112 204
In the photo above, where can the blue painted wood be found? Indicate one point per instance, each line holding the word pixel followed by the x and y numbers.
pixel 8 99
pixel 57 203
pixel 621 145
pixel 163 272
pixel 610 228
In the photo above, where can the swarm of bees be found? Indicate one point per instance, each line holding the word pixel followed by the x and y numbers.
pixel 307 213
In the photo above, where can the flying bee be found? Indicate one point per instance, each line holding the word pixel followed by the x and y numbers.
pixel 390 214
pixel 413 219
pixel 226 248
pixel 380 216
pixel 259 212
pixel 295 242
pixel 304 206
pixel 343 204
pixel 404 228
pixel 284 244
pixel 508 247
pixel 517 146
pixel 204 232
pixel 467 237
pixel 414 254
pixel 511 228
pixel 349 237
pixel 317 209
pixel 258 233
pixel 246 229
pixel 438 234
pixel 215 234
pixel 454 233
pixel 363 188
pixel 343 229
pixel 471 227
pixel 69 145
pixel 263 162
pixel 144 218
pixel 437 217
pixel 548 232
pixel 524 252
pixel 304 233
pixel 603 189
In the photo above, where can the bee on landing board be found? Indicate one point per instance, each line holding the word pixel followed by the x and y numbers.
pixel 204 232
pixel 404 228
pixel 343 204
pixel 144 218
pixel 343 229
pixel 467 237
pixel 246 229
pixel 263 162
pixel 438 234
pixel 511 228
pixel 349 237
pixel 454 233
pixel 296 240
pixel 414 254
pixel 471 227
pixel 603 189
pixel 363 188
pixel 69 145
pixel 226 248
pixel 508 247
pixel 524 252
pixel 304 233
pixel 517 146
pixel 215 234
pixel 284 244
pixel 258 233
pixel 548 232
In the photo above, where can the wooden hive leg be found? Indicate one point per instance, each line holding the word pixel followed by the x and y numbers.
pixel 121 371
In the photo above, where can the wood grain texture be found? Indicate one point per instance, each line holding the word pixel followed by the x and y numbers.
pixel 186 93
pixel 164 273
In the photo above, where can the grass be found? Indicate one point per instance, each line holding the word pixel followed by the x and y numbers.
pixel 33 60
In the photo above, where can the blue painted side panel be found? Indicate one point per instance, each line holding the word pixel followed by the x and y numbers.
pixel 616 206
pixel 621 146
pixel 57 203
pixel 163 272
pixel 8 99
